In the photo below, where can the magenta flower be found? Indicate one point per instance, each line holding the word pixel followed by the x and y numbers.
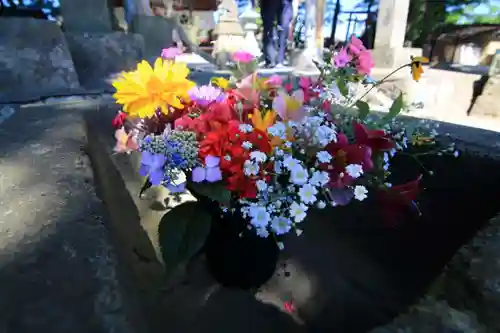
pixel 205 95
pixel 243 57
pixel 211 172
pixel 342 58
pixel 365 62
pixel 170 53
pixel 274 80
pixel 356 46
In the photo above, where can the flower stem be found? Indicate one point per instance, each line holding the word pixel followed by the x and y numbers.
pixel 378 83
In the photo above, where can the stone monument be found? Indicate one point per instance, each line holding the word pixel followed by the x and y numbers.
pixel 388 51
pixel 249 21
pixel 230 34
pixel 304 63
pixel 89 16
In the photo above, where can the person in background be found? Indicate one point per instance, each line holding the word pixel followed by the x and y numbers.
pixel 282 12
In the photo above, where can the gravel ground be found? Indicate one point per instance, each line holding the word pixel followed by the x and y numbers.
pixel 57 268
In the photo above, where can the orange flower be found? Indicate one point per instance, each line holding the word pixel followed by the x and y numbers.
pixel 416 67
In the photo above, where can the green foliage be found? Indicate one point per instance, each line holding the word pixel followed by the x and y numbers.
pixel 363 109
pixel 426 15
pixel 215 191
pixel 396 108
pixel 182 233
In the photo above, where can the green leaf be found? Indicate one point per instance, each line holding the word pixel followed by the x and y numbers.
pixel 342 87
pixel 147 184
pixel 182 233
pixel 363 109
pixel 216 191
pixel 396 107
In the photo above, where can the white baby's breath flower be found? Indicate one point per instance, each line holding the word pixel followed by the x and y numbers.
pixel 259 216
pixel 247 145
pixel 299 175
pixel 281 225
pixel 323 156
pixel 319 178
pixel 261 185
pixel 262 232
pixel 291 163
pixel 278 130
pixel 354 170
pixel 360 193
pixel 245 128
pixel 250 168
pixel 258 156
pixel 321 204
pixel 308 193
pixel 299 232
pixel 298 211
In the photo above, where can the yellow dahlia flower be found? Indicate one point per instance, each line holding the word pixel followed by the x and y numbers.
pixel 147 89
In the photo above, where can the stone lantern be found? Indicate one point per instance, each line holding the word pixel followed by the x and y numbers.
pixel 248 20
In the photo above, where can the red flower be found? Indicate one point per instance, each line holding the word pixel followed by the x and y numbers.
pixel 344 154
pixel 377 140
pixel 226 143
pixel 119 120
pixel 397 200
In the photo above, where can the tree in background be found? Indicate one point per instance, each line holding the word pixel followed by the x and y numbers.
pixel 50 8
pixel 468 15
pixel 426 15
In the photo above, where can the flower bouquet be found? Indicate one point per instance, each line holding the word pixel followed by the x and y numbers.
pixel 264 151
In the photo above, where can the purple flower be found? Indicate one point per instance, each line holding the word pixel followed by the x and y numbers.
pixel 341 196
pixel 204 95
pixel 342 58
pixel 211 172
pixel 152 166
pixel 171 53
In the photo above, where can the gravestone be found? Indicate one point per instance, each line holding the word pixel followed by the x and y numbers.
pixel 34 60
pixel 98 56
pixel 159 33
pixel 86 16
pixel 389 38
pixel 230 34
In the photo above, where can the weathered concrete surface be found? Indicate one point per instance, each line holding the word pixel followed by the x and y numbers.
pixel 488 103
pixel 471 281
pixel 97 56
pixel 433 316
pixel 34 60
pixel 58 272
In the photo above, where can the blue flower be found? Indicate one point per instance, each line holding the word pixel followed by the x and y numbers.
pixel 152 166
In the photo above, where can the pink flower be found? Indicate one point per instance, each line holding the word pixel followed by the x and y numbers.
pixel 342 58
pixel 274 80
pixel 290 108
pixel 125 142
pixel 305 83
pixel 243 57
pixel 170 53
pixel 365 62
pixel 356 46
